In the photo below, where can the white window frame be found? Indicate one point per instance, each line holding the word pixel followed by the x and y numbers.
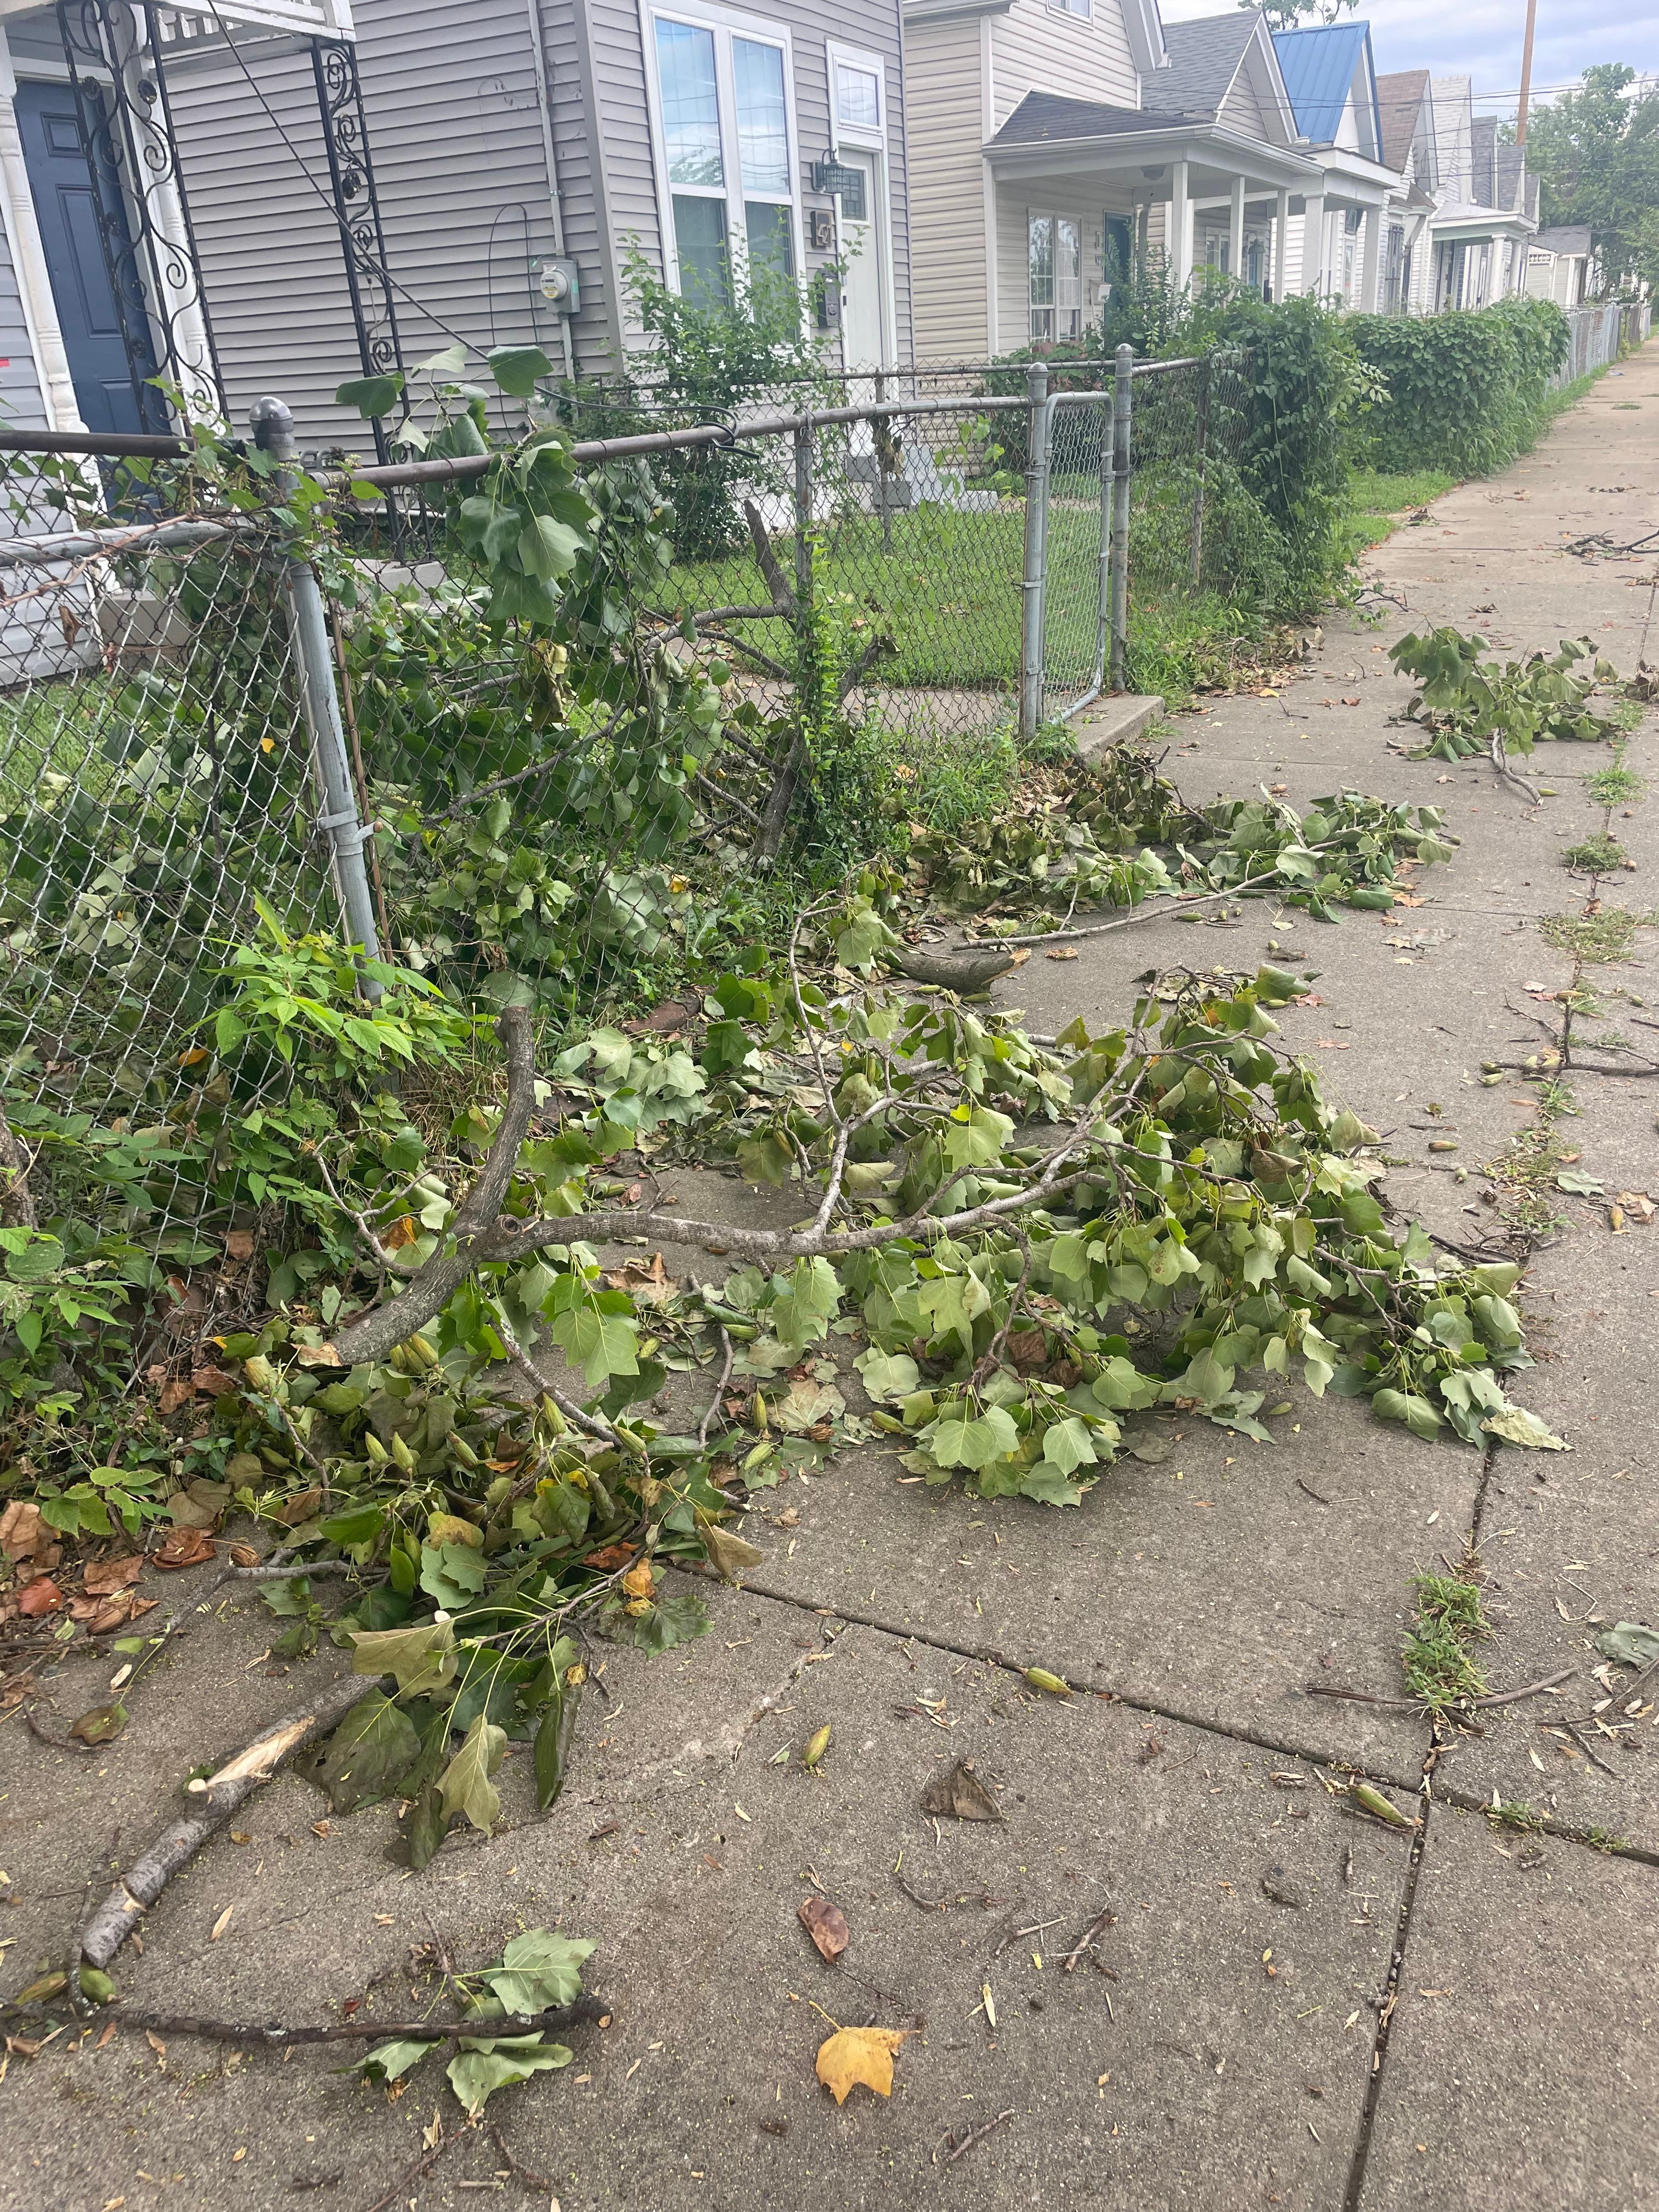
pixel 725 23
pixel 1055 215
pixel 861 138
pixel 1080 11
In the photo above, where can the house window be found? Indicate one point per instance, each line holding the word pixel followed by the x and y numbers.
pixel 858 98
pixel 723 126
pixel 1055 262
pixel 1083 8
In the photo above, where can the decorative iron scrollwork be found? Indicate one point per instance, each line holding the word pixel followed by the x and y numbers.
pixel 357 208
pixel 113 51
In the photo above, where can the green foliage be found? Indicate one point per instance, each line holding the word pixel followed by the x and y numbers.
pixel 1596 856
pixel 1467 703
pixel 1464 391
pixel 1440 1667
pixel 1596 151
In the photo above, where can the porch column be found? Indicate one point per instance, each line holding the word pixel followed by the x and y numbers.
pixel 1313 243
pixel 1281 244
pixel 1181 226
pixel 186 350
pixel 1236 233
pixel 1370 265
pixel 51 368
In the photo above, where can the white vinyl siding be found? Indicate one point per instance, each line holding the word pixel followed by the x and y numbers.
pixel 1037 48
pixel 19 388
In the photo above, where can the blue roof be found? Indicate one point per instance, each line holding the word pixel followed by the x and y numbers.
pixel 1318 67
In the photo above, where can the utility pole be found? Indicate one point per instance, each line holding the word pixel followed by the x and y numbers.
pixel 1526 74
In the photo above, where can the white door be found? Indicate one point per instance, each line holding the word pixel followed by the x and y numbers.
pixel 864 279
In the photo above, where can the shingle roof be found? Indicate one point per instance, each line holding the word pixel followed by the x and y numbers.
pixel 1318 67
pixel 1204 59
pixel 1399 102
pixel 1569 237
pixel 1047 115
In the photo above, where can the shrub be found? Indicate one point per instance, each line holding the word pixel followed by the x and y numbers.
pixel 1466 391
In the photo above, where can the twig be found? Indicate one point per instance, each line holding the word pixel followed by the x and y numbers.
pixel 523 2172
pixel 275 2037
pixel 1593 1757
pixel 1410 1705
pixel 418 2170
pixel 177 1843
pixel 1101 1919
pixel 1153 907
pixel 977 2137
pixel 720 1389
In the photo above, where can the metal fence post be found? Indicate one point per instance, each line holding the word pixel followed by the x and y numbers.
pixel 273 433
pixel 809 673
pixel 1036 548
pixel 1122 400
pixel 1198 489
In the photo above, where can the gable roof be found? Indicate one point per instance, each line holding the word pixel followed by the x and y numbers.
pixel 1204 59
pixel 1318 67
pixel 1400 107
pixel 1047 115
pixel 1569 237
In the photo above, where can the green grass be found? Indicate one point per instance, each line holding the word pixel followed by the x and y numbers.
pixel 1439 1667
pixel 1596 856
pixel 1379 503
pixel 1617 785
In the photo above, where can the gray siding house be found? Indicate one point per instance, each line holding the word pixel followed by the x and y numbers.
pixel 503 135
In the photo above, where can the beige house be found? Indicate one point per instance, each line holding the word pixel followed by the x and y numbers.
pixel 1049 138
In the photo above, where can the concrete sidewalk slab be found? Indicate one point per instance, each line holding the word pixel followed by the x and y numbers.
pixel 1522 2066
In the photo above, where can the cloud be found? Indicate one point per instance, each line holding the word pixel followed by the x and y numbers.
pixel 1482 40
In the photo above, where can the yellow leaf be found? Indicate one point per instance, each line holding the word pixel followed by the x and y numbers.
pixel 859 2054
pixel 638 1580
pixel 402 1231
pixel 267 745
pixel 194 1057
pixel 450 1529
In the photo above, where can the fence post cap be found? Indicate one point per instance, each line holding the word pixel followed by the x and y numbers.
pixel 1036 379
pixel 271 421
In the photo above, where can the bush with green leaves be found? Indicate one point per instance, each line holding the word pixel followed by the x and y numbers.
pixel 1469 705
pixel 1466 392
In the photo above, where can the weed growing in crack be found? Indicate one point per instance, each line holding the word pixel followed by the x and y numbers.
pixel 1516 1813
pixel 1439 1666
pixel 1617 785
pixel 1609 935
pixel 1603 1839
pixel 1596 856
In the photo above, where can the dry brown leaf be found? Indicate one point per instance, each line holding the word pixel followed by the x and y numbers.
pixel 1066 953
pixel 607 1561
pixel 318 1355
pixel 173 1394
pixel 852 2054
pixel 239 1244
pixel 403 1232
pixel 1028 1348
pixel 212 1382
pixel 155 2043
pixel 41 1595
pixel 959 1796
pixel 826 1924
pixel 639 1580
pixel 184 1547
pixel 221 1924
pixel 105 1576
pixel 294 1512
pixel 648 1280
pixel 20 1528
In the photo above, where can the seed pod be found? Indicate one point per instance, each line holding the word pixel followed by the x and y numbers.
pixel 260 1372
pixel 1040 1679
pixel 403 1360
pixel 462 1449
pixel 378 1453
pixel 815 1748
pixel 761 1423
pixel 556 1423
pixel 402 1454
pixel 423 1349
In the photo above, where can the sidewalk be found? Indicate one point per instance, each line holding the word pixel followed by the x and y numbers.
pixel 1288 2006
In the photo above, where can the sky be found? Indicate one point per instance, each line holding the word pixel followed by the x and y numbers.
pixel 1481 38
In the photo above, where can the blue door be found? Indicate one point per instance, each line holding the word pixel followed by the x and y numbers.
pixel 66 208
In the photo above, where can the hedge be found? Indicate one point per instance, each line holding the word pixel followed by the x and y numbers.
pixel 1467 391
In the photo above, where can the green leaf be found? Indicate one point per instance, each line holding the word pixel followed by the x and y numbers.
pixel 518 369
pixel 387 2061
pixel 1630 1643
pixel 602 1345
pixel 888 1375
pixel 956 1440
pixel 453 1574
pixel 426 1827
pixel 420 1659
pixel 356 1525
pixel 548 548
pixel 371 396
pixel 478 2071
pixel 539 1969
pixel 802 1307
pixel 374 1746
pixel 465 1788
pixel 975 1139
pixel 1068 1445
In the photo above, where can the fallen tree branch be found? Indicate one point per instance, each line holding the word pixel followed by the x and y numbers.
pixel 276 2036
pixel 1152 908
pixel 150 1873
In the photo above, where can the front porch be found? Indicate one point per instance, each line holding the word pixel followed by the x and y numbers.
pixel 1079 188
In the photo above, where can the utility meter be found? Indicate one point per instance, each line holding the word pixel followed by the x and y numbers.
pixel 561 285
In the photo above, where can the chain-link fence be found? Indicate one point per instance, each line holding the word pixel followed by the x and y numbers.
pixel 206 742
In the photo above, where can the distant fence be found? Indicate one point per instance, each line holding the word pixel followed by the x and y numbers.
pixel 1597 335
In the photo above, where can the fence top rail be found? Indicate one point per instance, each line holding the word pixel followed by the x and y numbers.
pixel 49 547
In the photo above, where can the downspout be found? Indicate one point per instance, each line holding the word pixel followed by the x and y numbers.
pixel 544 107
